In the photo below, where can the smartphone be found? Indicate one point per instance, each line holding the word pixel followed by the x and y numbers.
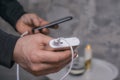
pixel 53 23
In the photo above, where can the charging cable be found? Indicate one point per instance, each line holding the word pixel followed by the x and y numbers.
pixel 18 67
pixel 72 59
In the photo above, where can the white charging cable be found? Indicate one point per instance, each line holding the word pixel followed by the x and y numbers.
pixel 17 67
pixel 18 75
pixel 72 59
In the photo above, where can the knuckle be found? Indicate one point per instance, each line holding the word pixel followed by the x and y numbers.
pixel 57 59
pixel 33 58
pixel 68 54
pixel 34 15
pixel 34 68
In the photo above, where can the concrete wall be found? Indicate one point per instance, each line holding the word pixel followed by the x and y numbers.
pixel 95 21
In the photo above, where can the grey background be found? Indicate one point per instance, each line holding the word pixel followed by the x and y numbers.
pixel 95 21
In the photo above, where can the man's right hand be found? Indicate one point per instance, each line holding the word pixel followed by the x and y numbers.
pixel 33 53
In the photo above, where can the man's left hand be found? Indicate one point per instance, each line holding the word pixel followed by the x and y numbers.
pixel 29 21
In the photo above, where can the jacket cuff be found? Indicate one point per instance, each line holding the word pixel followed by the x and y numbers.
pixel 7 44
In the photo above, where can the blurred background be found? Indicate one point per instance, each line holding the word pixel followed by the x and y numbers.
pixel 94 21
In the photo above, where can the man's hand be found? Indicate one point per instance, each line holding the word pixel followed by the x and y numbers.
pixel 33 53
pixel 29 21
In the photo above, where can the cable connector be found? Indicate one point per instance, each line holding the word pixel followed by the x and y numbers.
pixel 57 42
pixel 64 42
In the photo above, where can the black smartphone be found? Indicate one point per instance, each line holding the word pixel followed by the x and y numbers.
pixel 53 23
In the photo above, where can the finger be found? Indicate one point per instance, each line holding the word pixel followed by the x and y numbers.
pixel 43 69
pixel 53 57
pixel 45 31
pixel 26 18
pixel 44 40
pixel 35 20
pixel 43 66
pixel 42 22
pixel 55 27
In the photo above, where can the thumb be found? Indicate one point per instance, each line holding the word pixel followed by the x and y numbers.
pixel 44 40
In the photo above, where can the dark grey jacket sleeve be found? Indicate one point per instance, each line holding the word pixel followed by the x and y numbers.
pixel 11 11
pixel 7 44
